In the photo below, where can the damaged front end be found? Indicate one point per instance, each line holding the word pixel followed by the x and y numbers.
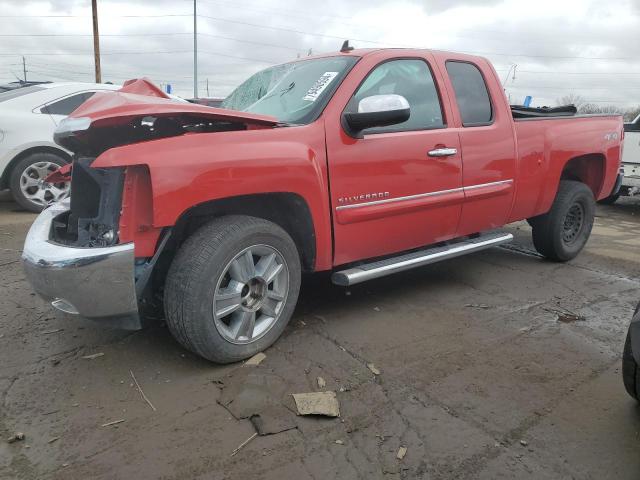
pixel 95 283
pixel 94 214
pixel 92 255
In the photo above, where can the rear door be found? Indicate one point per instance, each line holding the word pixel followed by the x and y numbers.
pixel 483 119
pixel 388 193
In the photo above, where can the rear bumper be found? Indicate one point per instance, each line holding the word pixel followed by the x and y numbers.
pixel 631 175
pixel 93 283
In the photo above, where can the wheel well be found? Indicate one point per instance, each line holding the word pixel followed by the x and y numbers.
pixel 6 175
pixel 588 169
pixel 288 210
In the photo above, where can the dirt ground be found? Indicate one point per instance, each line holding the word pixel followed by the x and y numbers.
pixel 478 377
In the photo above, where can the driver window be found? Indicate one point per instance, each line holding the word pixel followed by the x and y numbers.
pixel 413 80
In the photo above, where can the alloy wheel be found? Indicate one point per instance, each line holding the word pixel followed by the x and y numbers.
pixel 250 294
pixel 36 189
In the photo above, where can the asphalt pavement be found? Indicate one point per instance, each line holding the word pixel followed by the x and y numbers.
pixel 498 365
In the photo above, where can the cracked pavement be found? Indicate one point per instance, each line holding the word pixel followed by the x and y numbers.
pixel 478 379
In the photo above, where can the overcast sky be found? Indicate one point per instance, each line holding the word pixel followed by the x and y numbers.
pixel 584 47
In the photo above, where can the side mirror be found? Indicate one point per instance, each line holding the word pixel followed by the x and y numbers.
pixel 376 111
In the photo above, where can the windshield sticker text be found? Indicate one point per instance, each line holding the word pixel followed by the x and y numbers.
pixel 318 87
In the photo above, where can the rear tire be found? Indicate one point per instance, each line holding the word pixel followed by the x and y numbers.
pixel 562 233
pixel 27 181
pixel 232 288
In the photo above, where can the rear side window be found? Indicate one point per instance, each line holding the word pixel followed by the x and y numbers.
pixel 471 93
pixel 67 105
pixel 410 78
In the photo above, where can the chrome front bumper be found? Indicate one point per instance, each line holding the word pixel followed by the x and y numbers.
pixel 93 283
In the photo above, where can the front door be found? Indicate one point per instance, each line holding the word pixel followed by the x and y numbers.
pixel 398 187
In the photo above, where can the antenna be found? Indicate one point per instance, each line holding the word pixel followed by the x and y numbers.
pixel 346 47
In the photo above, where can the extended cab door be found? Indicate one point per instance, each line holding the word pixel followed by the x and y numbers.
pixel 388 192
pixel 483 119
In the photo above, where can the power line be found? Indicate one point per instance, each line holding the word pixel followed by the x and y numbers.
pixel 210 35
pixel 139 53
pixel 284 29
pixel 299 12
pixel 90 34
pixel 578 73
pixel 89 16
pixel 559 87
pixel 91 53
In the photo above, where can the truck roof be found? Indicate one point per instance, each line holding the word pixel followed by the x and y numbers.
pixel 395 51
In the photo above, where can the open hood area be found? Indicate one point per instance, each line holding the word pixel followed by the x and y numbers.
pixel 140 111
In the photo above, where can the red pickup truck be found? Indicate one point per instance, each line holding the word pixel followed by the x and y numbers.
pixel 364 162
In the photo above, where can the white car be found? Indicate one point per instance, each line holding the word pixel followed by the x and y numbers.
pixel 631 157
pixel 28 117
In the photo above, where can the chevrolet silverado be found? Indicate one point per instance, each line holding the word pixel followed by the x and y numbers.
pixel 362 162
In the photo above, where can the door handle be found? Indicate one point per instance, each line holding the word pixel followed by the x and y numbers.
pixel 442 152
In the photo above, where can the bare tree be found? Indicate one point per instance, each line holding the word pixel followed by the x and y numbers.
pixel 595 108
pixel 571 99
pixel 631 114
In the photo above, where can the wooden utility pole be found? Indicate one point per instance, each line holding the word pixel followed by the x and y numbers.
pixel 96 41
pixel 24 69
pixel 195 49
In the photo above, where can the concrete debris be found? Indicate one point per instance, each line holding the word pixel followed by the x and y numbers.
pixel 256 359
pixel 339 442
pixel 54 439
pixel 16 437
pixel 317 403
pixel 524 443
pixel 321 382
pixel 273 419
pixel 92 356
pixel 248 391
pixel 373 368
pixel 402 451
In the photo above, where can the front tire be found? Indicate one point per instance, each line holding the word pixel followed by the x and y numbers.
pixel 232 288
pixel 563 232
pixel 27 181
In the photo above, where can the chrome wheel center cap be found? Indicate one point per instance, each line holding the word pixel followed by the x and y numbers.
pixel 253 294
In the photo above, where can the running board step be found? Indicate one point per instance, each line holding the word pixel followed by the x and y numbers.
pixel 369 271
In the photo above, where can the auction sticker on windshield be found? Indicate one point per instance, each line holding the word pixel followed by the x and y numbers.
pixel 318 87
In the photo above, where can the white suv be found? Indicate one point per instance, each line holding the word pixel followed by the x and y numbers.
pixel 28 117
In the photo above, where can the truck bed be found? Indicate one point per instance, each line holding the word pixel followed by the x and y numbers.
pixel 521 112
